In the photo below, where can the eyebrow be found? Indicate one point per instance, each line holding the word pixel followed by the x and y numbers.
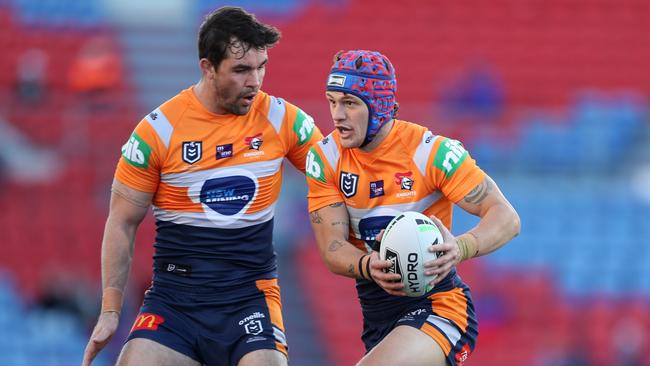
pixel 248 66
pixel 349 97
pixel 345 96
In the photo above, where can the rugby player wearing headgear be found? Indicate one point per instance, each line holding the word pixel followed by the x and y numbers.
pixel 373 166
pixel 209 161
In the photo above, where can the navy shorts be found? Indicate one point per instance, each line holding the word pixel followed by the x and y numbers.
pixel 213 327
pixel 448 317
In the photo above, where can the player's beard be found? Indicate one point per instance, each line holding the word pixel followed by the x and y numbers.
pixel 234 103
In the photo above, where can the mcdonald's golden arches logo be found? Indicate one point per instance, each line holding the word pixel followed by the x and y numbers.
pixel 147 321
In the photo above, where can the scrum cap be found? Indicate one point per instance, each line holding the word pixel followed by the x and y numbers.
pixel 370 76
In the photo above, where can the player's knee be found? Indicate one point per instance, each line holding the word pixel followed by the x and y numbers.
pixel 263 357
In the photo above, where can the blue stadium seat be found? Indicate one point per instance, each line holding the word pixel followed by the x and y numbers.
pixel 70 13
pixel 38 337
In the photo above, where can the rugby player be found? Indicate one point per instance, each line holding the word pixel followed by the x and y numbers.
pixel 209 162
pixel 370 168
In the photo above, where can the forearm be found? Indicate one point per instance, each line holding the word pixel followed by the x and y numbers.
pixel 343 258
pixel 498 226
pixel 331 225
pixel 117 252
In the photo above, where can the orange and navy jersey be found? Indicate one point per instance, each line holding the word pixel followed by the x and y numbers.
pixel 411 170
pixel 216 180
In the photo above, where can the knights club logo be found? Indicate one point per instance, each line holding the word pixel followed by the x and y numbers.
pixel 404 180
pixel 192 151
pixel 254 142
pixel 348 184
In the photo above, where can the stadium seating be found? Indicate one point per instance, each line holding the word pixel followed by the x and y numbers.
pixel 36 336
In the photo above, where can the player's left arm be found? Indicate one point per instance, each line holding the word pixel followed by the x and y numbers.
pixel 499 221
pixel 301 133
pixel 498 224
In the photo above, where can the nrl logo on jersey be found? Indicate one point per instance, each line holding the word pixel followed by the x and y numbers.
pixel 192 151
pixel 348 184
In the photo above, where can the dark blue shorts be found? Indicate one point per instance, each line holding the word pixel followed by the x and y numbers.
pixel 214 327
pixel 448 317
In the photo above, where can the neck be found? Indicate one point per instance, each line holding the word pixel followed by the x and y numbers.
pixel 379 137
pixel 206 96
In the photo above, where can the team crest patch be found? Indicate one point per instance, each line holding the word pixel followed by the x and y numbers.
pixel 348 184
pixel 192 151
pixel 404 180
pixel 254 142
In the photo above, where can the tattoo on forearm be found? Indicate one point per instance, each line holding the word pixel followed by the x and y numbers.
pixel 335 245
pixel 315 217
pixel 478 194
pixel 344 223
pixel 351 269
pixel 337 204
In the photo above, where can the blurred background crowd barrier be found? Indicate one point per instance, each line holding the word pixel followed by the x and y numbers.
pixel 549 96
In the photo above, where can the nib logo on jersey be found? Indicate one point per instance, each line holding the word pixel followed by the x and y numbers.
pixel 136 151
pixel 405 183
pixel 254 143
pixel 226 195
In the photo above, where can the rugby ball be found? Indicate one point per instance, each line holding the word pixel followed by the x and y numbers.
pixel 405 243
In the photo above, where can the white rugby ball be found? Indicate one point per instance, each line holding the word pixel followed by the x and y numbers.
pixel 405 243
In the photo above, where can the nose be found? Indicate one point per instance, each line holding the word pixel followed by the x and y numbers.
pixel 255 79
pixel 338 112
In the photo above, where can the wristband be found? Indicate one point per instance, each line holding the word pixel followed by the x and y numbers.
pixel 360 267
pixel 112 300
pixel 467 245
pixel 368 269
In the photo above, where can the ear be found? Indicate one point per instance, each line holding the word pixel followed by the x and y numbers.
pixel 207 69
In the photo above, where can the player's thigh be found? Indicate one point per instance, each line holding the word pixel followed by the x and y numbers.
pixel 145 352
pixel 405 346
pixel 263 357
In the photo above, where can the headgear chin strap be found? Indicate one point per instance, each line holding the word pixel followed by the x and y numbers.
pixel 370 76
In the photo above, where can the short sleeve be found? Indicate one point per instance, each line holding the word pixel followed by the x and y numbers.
pixel 453 170
pixel 320 181
pixel 140 164
pixel 301 133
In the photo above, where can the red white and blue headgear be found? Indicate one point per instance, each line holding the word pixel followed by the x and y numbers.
pixel 370 76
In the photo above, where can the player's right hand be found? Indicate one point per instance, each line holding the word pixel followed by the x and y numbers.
pixel 104 330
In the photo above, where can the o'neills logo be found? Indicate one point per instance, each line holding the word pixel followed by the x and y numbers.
pixel 255 315
pixel 147 321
